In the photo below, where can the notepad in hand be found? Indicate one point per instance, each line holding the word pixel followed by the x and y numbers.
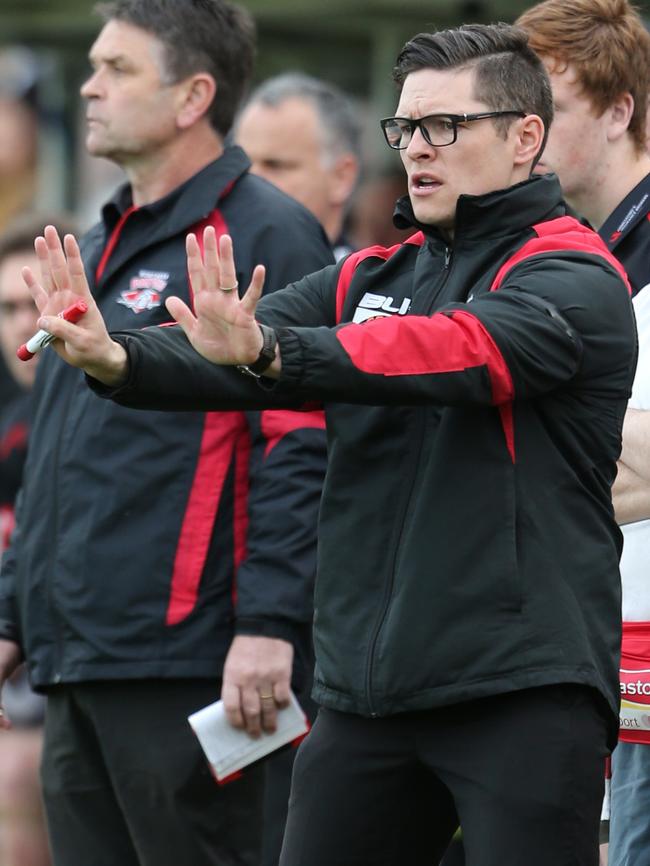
pixel 230 749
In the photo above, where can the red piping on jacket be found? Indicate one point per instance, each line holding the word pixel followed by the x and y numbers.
pixel 354 260
pixel 277 423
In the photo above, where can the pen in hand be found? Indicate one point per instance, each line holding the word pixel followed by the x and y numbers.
pixel 42 338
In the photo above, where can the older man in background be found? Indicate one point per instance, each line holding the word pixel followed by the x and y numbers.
pixel 303 135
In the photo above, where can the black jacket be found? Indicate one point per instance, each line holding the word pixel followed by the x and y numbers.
pixel 467 541
pixel 145 540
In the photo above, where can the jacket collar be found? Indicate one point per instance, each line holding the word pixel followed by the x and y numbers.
pixel 190 202
pixel 495 214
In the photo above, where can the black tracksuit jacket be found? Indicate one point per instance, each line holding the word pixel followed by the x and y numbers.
pixel 146 540
pixel 467 541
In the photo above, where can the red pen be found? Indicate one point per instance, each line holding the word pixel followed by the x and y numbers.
pixel 42 338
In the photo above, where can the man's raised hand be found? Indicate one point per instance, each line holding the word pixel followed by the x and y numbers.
pixel 222 327
pixel 87 343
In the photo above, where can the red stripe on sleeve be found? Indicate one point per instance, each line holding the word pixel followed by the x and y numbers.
pixel 354 260
pixel 564 234
pixel 417 345
pixel 220 433
pixel 277 423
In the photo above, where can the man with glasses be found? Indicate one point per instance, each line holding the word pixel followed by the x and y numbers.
pixel 475 377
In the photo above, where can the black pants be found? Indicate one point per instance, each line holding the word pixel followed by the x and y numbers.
pixel 278 769
pixel 522 772
pixel 125 782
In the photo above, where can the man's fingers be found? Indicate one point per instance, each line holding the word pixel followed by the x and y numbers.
pixel 254 292
pixel 181 313
pixel 62 330
pixel 195 266
pixel 230 695
pixel 211 263
pixel 58 266
pixel 78 281
pixel 269 711
pixel 228 279
pixel 42 253
pixel 36 290
pixel 252 710
pixel 281 692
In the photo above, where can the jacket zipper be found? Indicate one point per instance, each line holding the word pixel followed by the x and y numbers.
pixel 372 647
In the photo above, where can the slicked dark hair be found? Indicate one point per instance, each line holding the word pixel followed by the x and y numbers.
pixel 507 72
pixel 213 36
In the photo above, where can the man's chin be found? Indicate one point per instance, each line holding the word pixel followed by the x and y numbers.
pixel 428 217
pixel 96 147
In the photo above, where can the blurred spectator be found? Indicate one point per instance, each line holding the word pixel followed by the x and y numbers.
pixel 23 839
pixel 18 132
pixel 18 153
pixel 303 135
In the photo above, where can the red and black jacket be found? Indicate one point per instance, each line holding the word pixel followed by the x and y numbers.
pixel 474 399
pixel 146 540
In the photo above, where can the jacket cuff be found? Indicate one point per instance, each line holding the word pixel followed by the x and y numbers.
pixel 263 627
pixel 292 357
pixel 106 390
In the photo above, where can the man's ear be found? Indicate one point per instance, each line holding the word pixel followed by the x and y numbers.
pixel 343 177
pixel 619 114
pixel 196 95
pixel 529 133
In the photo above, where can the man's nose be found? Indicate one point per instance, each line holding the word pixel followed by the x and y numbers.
pixel 91 86
pixel 418 146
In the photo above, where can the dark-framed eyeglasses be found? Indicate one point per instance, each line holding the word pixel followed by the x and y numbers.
pixel 438 130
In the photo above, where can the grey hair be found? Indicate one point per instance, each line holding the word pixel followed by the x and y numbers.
pixel 338 121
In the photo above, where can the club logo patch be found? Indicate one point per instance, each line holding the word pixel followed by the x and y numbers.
pixel 373 306
pixel 145 291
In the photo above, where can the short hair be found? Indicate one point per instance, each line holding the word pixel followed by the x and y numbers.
pixel 607 44
pixel 19 234
pixel 213 36
pixel 338 121
pixel 507 72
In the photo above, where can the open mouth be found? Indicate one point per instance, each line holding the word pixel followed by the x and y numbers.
pixel 424 184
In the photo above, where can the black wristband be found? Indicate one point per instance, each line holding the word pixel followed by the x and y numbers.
pixel 266 355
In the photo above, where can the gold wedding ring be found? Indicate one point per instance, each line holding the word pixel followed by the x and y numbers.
pixel 229 288
pixel 266 697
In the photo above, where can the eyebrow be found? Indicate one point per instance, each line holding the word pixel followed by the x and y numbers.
pixel 107 58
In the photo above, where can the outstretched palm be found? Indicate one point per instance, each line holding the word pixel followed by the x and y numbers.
pixel 222 327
